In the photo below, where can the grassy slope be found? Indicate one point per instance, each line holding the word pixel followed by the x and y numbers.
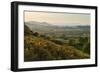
pixel 38 49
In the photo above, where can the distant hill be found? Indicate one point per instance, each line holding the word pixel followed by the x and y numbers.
pixel 50 29
pixel 37 48
pixel 32 24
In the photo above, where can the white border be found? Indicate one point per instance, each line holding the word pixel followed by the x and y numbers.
pixel 22 64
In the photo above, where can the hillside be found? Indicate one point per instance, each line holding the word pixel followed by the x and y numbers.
pixel 39 48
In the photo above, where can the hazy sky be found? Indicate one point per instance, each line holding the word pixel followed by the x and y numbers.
pixel 58 18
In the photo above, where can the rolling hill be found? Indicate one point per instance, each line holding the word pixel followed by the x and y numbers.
pixel 39 48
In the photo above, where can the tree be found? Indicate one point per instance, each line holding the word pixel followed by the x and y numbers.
pixel 36 34
pixel 71 42
pixel 86 48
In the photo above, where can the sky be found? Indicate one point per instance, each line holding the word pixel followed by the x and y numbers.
pixel 57 18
